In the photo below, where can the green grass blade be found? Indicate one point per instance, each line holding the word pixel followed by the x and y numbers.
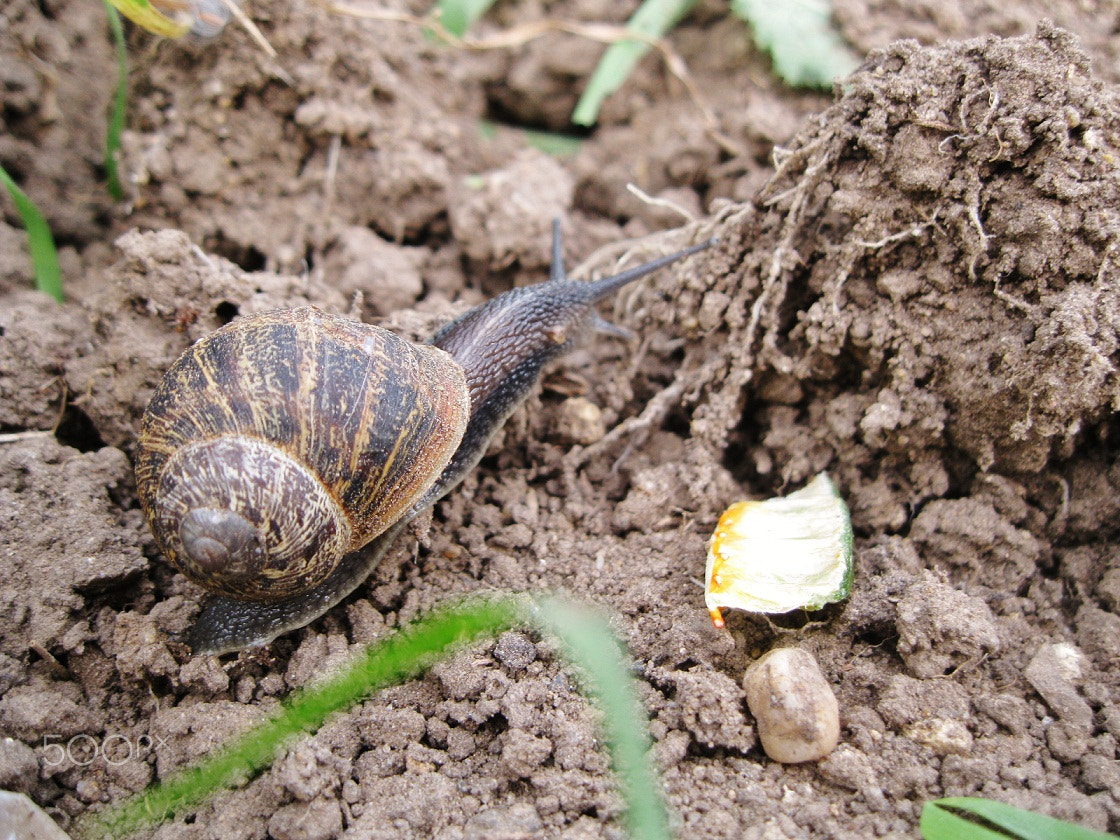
pixel 653 18
pixel 806 49
pixel 550 142
pixel 940 821
pixel 44 255
pixel 591 645
pixel 398 658
pixel 457 16
pixel 553 143
pixel 403 656
pixel 120 102
pixel 939 824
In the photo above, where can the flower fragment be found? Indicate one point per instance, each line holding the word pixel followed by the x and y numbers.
pixel 781 554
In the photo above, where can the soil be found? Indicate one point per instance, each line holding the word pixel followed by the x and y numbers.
pixel 915 289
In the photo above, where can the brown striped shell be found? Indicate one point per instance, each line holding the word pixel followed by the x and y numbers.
pixel 285 440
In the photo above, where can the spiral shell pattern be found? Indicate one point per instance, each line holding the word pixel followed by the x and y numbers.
pixel 284 440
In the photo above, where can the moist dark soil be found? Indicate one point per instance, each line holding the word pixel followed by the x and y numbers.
pixel 915 289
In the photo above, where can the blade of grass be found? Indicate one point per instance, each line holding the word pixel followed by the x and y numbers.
pixel 120 102
pixel 653 19
pixel 550 142
pixel 44 255
pixel 457 16
pixel 940 822
pixel 403 656
pixel 591 645
pixel 393 660
pixel 553 143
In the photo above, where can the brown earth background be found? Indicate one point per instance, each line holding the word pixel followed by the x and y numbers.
pixel 915 289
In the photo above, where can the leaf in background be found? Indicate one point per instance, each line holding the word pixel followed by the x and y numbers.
pixel 120 102
pixel 553 143
pixel 457 16
pixel 654 18
pixel 44 256
pixel 550 142
pixel 806 49
pixel 997 821
pixel 143 14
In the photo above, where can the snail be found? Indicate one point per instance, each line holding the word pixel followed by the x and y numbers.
pixel 282 454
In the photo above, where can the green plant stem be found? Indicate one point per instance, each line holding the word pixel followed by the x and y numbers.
pixel 587 640
pixel 120 103
pixel 40 241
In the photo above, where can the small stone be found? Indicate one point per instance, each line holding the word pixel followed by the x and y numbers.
pixel 579 421
pixel 797 714
pixel 21 818
pixel 945 736
pixel 1054 673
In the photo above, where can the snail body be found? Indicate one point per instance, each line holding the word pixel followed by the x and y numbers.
pixel 281 455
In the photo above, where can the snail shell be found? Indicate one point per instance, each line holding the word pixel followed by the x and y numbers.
pixel 283 441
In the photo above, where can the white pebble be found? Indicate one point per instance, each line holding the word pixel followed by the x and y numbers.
pixel 796 712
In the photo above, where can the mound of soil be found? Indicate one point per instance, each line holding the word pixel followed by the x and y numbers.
pixel 919 296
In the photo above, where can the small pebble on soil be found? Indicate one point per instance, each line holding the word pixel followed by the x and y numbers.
pixel 797 714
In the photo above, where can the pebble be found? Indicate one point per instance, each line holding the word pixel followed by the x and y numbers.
pixel 22 819
pixel 945 736
pixel 796 712
pixel 579 421
pixel 1055 672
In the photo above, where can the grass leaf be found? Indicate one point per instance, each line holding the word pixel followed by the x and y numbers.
pixel 653 18
pixel 550 142
pixel 120 102
pixel 806 49
pixel 940 820
pixel 457 16
pixel 44 255
pixel 590 644
pixel 587 639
